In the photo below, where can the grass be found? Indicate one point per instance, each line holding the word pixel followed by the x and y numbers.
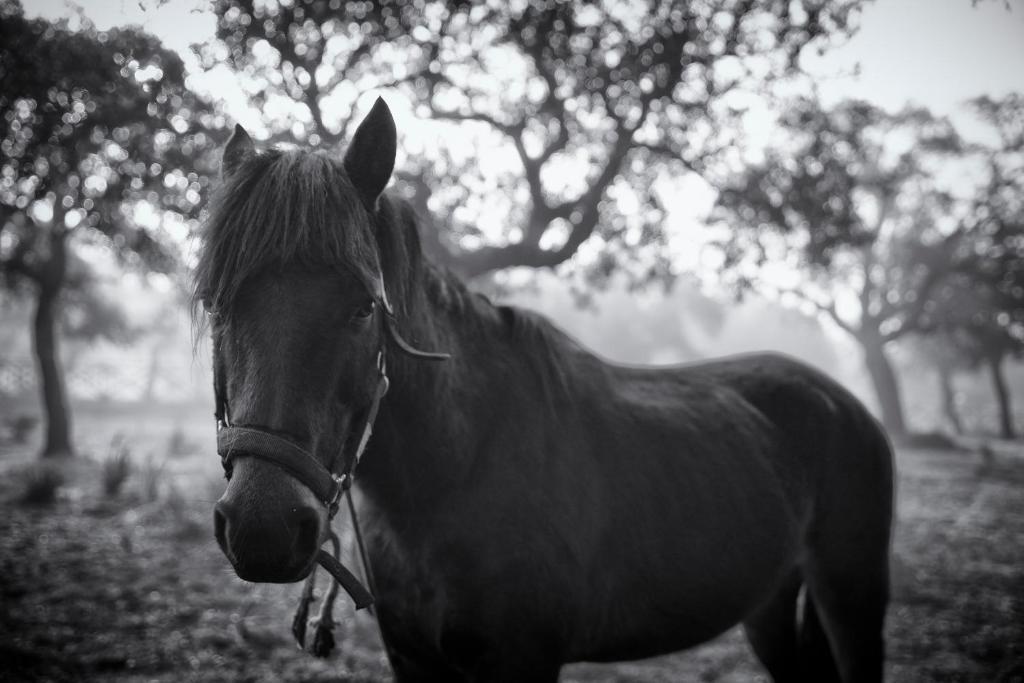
pixel 187 520
pixel 152 476
pixel 20 428
pixel 121 592
pixel 40 484
pixel 116 467
pixel 178 444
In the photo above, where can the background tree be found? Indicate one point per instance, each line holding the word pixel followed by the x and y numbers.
pixel 100 145
pixel 976 329
pixel 89 314
pixel 979 305
pixel 937 352
pixel 563 116
pixel 847 201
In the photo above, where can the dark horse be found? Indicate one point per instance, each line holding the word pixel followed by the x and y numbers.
pixel 525 503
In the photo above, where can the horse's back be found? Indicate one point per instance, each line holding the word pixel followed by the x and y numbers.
pixel 815 423
pixel 797 417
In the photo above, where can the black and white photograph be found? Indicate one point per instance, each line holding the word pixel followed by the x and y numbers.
pixel 512 341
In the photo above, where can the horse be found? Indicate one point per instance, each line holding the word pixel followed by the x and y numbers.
pixel 525 503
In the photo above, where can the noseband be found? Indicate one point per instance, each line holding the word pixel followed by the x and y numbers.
pixel 327 486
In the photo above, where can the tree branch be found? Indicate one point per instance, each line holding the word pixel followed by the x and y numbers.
pixel 669 154
pixel 556 106
pixel 17 265
pixel 511 130
pixel 528 252
pixel 487 259
pixel 828 308
pixel 910 316
pixel 867 287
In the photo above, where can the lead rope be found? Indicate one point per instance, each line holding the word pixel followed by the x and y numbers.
pixel 364 558
pixel 323 635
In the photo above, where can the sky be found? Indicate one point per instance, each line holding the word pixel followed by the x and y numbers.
pixel 936 53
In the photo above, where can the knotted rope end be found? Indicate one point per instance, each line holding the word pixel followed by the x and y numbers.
pixel 323 638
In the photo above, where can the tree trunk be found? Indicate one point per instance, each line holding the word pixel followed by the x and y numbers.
pixel 949 399
pixel 58 423
pixel 995 366
pixel 49 276
pixel 887 388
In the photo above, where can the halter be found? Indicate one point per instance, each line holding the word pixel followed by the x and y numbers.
pixel 327 486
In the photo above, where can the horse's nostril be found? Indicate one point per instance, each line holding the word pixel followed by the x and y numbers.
pixel 307 535
pixel 220 524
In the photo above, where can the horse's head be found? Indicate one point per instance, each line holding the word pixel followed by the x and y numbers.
pixel 290 275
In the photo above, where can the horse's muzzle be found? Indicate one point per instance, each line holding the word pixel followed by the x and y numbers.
pixel 268 548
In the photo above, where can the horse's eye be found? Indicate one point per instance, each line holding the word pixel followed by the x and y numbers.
pixel 364 312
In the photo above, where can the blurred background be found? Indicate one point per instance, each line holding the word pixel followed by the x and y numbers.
pixel 668 181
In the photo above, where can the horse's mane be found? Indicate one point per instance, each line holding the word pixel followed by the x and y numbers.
pixel 546 346
pixel 299 207
pixel 550 344
pixel 283 207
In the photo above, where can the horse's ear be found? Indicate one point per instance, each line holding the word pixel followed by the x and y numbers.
pixel 240 148
pixel 370 157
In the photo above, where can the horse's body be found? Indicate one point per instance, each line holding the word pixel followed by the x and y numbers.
pixel 527 504
pixel 616 513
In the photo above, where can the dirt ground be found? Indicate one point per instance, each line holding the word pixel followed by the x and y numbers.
pixel 134 588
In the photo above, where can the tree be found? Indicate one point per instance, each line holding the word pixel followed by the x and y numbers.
pixel 573 111
pixel 847 200
pixel 938 352
pixel 100 147
pixel 978 330
pixel 979 305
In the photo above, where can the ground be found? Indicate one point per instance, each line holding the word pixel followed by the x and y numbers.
pixel 133 588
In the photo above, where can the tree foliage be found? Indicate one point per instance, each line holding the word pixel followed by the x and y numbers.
pixel 95 124
pixel 574 110
pixel 847 199
pixel 854 198
pixel 979 305
pixel 102 147
pixel 981 301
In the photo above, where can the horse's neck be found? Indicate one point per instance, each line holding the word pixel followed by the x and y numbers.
pixel 421 444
